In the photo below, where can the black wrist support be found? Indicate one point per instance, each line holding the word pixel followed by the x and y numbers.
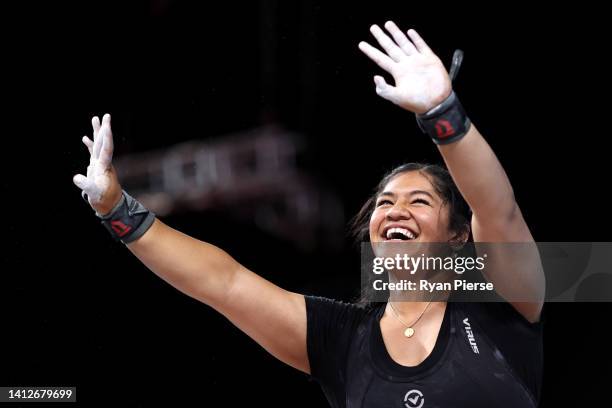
pixel 128 221
pixel 445 123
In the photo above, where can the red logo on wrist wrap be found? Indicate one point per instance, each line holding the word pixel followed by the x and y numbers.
pixel 120 228
pixel 444 129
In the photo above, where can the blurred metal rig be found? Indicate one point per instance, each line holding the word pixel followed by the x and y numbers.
pixel 252 175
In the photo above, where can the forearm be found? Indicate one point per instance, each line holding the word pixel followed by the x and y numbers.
pixel 194 267
pixel 480 177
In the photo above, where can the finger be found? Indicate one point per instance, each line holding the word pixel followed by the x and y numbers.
pixel 384 90
pixel 380 58
pixel 418 42
pixel 400 38
pixel 106 152
pixel 81 181
pixel 97 147
pixel 387 43
pixel 97 143
pixel 106 120
pixel 95 124
pixel 89 143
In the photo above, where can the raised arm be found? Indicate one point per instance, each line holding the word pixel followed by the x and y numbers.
pixel 273 317
pixel 422 84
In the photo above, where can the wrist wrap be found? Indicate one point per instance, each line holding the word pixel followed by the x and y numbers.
pixel 128 221
pixel 445 123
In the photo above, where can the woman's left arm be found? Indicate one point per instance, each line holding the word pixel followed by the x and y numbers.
pixel 497 218
pixel 422 83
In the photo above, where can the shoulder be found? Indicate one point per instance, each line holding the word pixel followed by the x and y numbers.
pixel 502 314
pixel 331 327
pixel 336 311
pixel 335 320
pixel 502 326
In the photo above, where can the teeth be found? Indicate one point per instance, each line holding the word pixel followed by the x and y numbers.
pixel 403 231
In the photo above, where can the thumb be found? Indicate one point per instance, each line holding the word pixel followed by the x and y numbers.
pixel 384 90
pixel 80 181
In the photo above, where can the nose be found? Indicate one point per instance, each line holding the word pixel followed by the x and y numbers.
pixel 397 212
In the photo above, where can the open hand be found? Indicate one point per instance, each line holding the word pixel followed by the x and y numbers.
pixel 101 184
pixel 421 81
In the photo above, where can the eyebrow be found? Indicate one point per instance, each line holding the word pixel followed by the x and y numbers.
pixel 411 193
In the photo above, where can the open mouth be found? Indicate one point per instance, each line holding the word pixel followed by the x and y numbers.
pixel 398 234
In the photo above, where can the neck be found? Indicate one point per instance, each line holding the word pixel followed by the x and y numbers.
pixel 413 313
pixel 409 304
pixel 416 294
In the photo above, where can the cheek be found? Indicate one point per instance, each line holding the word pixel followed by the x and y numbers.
pixel 431 223
pixel 375 221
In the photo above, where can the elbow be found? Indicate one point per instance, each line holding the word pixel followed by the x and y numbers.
pixel 512 213
pixel 509 209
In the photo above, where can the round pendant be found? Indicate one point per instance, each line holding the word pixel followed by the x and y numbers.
pixel 409 332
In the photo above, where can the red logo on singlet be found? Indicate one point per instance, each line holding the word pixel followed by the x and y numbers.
pixel 444 129
pixel 120 228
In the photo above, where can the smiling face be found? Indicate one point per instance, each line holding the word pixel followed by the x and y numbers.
pixel 410 209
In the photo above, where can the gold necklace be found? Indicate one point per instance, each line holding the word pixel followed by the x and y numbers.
pixel 409 332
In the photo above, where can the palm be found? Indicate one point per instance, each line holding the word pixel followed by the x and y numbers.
pixel 421 81
pixel 417 79
pixel 100 183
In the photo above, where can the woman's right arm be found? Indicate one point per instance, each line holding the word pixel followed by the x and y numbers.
pixel 273 317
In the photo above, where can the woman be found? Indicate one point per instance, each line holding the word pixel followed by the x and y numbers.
pixel 405 354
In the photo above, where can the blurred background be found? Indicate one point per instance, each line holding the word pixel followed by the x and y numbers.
pixel 255 126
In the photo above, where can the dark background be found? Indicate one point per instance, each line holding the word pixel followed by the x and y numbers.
pixel 79 310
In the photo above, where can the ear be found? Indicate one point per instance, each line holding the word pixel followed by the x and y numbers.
pixel 460 238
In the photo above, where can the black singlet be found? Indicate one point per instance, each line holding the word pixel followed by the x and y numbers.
pixel 486 355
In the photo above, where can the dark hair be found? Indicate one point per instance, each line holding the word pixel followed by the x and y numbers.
pixel 441 180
